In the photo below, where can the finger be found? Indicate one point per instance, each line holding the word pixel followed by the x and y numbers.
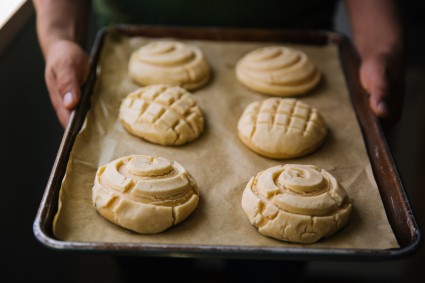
pixel 373 79
pixel 68 86
pixel 68 100
pixel 55 97
pixel 62 113
pixel 378 104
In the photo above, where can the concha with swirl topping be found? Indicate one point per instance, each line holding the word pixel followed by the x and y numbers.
pixel 145 194
pixel 277 70
pixel 169 62
pixel 296 203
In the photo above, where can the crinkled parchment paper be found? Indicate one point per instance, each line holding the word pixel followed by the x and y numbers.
pixel 219 162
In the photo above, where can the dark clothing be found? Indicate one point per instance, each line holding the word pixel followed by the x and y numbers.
pixel 305 14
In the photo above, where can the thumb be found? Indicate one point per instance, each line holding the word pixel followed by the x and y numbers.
pixel 68 83
pixel 373 79
pixel 69 101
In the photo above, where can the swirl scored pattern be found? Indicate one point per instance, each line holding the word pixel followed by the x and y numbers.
pixel 145 194
pixel 161 114
pixel 281 128
pixel 169 62
pixel 296 203
pixel 277 70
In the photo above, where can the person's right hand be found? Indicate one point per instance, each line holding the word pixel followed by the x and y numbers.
pixel 66 70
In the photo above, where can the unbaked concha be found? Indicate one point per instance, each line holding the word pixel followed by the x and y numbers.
pixel 145 194
pixel 281 128
pixel 169 62
pixel 296 203
pixel 277 70
pixel 161 114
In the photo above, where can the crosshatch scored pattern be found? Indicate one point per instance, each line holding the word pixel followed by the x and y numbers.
pixel 174 115
pixel 290 115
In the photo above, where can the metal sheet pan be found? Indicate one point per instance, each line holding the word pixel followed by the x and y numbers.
pixel 396 203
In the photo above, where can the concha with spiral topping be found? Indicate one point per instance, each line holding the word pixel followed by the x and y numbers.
pixel 169 62
pixel 277 70
pixel 296 203
pixel 161 114
pixel 281 128
pixel 145 194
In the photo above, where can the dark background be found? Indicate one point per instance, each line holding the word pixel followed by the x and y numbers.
pixel 29 140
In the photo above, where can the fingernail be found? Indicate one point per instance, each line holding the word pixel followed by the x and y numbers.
pixel 382 107
pixel 68 99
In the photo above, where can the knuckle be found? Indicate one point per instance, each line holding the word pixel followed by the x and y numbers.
pixel 66 81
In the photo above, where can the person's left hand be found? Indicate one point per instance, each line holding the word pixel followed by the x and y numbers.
pixel 383 78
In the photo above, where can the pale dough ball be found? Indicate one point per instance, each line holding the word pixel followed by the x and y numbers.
pixel 145 194
pixel 161 114
pixel 281 128
pixel 277 70
pixel 169 62
pixel 296 203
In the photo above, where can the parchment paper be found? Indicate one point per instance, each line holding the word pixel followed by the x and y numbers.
pixel 219 162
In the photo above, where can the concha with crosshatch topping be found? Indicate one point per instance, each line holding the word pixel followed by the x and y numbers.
pixel 296 203
pixel 281 128
pixel 169 62
pixel 162 114
pixel 144 194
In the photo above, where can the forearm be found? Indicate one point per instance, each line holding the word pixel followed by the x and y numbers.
pixel 60 20
pixel 376 27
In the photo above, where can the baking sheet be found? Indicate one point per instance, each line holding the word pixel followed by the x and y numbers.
pixel 218 161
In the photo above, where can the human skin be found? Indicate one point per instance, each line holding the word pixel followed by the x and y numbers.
pixel 378 36
pixel 61 28
pixel 376 28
